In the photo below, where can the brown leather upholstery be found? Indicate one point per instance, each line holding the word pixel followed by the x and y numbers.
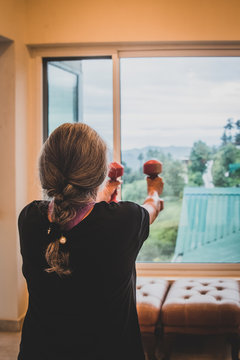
pixel 150 295
pixel 202 303
pixel 202 306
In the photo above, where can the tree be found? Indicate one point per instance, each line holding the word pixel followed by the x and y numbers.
pixel 237 136
pixel 237 124
pixel 129 175
pixel 135 191
pixel 172 174
pixel 156 154
pixel 229 125
pixel 199 156
pixel 228 154
pixel 195 179
pixel 227 134
pixel 218 173
pixel 173 178
pixel 224 138
pixel 127 170
pixel 237 139
pixel 140 158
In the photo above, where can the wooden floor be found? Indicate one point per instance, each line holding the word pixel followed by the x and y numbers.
pixel 9 343
pixel 185 348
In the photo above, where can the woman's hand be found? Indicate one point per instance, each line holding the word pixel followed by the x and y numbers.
pixel 153 204
pixel 155 185
pixel 105 193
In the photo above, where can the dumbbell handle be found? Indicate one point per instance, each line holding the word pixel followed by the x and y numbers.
pixel 115 170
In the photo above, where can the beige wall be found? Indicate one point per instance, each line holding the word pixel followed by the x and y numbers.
pixel 13 126
pixel 58 21
pixel 8 274
pixel 74 21
pixel 12 18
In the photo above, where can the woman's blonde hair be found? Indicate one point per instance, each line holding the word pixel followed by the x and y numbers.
pixel 72 165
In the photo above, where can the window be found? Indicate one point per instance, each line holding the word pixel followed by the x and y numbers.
pixel 64 94
pixel 184 111
pixel 79 90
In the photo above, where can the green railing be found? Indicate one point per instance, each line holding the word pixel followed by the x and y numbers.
pixel 209 216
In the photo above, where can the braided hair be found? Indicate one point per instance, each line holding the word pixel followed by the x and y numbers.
pixel 72 166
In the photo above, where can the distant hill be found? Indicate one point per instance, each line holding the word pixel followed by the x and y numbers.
pixel 130 157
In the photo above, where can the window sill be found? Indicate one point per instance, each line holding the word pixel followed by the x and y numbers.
pixel 186 270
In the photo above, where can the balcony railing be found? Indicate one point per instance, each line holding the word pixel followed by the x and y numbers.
pixel 209 228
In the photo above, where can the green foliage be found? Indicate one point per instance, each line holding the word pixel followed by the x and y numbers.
pixel 228 154
pixel 237 139
pixel 135 191
pixel 160 244
pixel 156 154
pixel 199 156
pixel 224 138
pixel 172 174
pixel 227 136
pixel 195 179
pixel 229 125
pixel 173 179
pixel 218 173
pixel 130 175
pixel 163 233
pixel 237 124
pixel 140 158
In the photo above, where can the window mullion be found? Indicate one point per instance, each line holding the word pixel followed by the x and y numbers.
pixel 116 109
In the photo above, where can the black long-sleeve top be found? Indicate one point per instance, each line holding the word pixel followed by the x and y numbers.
pixel 90 314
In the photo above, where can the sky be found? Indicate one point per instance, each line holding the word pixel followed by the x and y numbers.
pixel 177 101
pixel 164 101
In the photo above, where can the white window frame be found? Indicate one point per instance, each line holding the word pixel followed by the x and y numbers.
pixel 118 51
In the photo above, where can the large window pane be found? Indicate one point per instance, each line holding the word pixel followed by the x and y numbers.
pixel 185 112
pixel 81 91
pixel 62 96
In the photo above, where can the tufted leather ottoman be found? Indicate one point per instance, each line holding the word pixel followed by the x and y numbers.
pixel 202 306
pixel 151 293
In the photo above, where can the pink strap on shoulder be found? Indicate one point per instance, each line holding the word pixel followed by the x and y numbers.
pixel 81 214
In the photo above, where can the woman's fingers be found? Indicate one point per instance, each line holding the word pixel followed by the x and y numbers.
pixel 155 184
